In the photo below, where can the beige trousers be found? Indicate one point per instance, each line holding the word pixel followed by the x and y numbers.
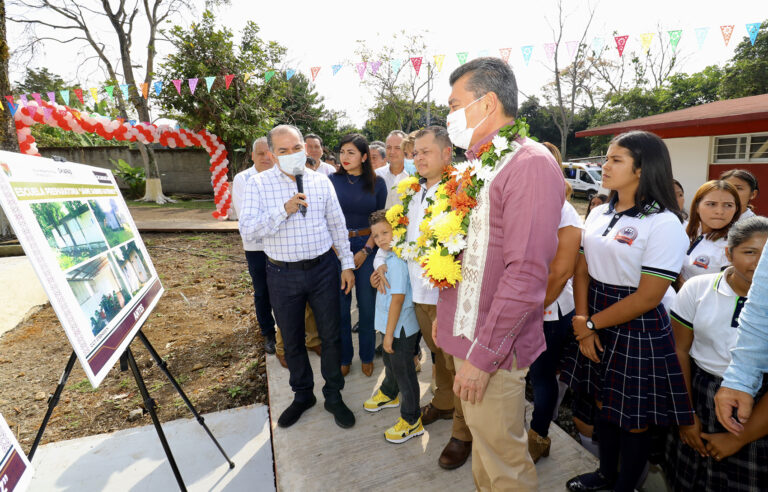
pixel 500 458
pixel 311 339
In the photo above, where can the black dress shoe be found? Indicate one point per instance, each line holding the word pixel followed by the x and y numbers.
pixel 291 414
pixel 589 482
pixel 269 345
pixel 341 414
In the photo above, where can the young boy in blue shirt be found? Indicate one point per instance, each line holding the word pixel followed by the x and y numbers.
pixel 396 319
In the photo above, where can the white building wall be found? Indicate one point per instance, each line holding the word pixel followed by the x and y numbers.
pixel 690 162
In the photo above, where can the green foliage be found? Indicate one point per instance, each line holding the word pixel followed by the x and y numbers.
pixel 747 72
pixel 134 177
pixel 543 127
pixel 398 113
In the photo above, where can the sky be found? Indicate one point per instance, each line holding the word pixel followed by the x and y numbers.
pixel 326 33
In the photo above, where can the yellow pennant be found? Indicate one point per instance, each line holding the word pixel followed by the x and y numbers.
pixel 439 59
pixel 247 76
pixel 646 40
pixel 94 94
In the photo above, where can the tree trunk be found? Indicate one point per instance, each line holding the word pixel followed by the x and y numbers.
pixel 8 139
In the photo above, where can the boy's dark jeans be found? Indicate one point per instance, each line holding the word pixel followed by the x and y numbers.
pixel 400 377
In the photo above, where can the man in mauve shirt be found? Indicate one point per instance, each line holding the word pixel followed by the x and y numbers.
pixel 491 322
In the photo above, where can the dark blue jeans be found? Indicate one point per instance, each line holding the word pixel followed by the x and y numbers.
pixel 289 291
pixel 366 305
pixel 257 268
pixel 543 372
pixel 400 377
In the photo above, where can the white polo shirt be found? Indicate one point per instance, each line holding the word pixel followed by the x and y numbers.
pixel 325 168
pixel 704 256
pixel 569 217
pixel 238 197
pixel 708 305
pixel 747 214
pixel 391 180
pixel 621 246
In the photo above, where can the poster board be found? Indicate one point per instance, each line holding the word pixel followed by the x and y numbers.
pixel 15 470
pixel 81 240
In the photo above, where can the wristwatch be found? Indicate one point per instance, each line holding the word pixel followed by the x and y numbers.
pixel 368 250
pixel 590 324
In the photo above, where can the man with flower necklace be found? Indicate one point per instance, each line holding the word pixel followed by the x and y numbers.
pixel 494 233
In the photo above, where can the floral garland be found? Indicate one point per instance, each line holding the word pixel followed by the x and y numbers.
pixel 446 218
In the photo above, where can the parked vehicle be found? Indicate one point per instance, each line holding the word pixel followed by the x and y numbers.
pixel 585 179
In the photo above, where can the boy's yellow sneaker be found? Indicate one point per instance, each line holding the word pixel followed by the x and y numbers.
pixel 402 431
pixel 379 401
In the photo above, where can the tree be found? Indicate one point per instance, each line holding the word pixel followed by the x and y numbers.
pixel 84 21
pixel 387 116
pixel 8 139
pixel 746 74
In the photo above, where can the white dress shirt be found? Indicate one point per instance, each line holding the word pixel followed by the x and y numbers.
pixel 325 168
pixel 295 237
pixel 238 197
pixel 392 181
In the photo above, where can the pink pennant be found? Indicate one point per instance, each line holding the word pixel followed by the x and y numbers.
pixel 23 99
pixel 727 32
pixel 192 85
pixel 375 66
pixel 315 71
pixel 505 52
pixel 79 94
pixel 621 43
pixel 47 112
pixel 10 100
pixel 416 61
pixel 177 84
pixel 52 97
pixel 228 80
pixel 361 69
pixel 38 99
pixel 549 49
pixel 571 45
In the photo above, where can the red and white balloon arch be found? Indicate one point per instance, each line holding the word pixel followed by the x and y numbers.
pixel 66 118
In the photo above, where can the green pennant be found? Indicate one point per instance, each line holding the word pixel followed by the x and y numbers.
pixel 674 38
pixel 109 90
pixel 462 57
pixel 269 75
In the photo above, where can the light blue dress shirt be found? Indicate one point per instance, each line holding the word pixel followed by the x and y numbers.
pixel 399 283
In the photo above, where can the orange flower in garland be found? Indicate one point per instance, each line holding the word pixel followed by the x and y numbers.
pixel 451 187
pixel 403 220
pixel 462 202
pixel 484 148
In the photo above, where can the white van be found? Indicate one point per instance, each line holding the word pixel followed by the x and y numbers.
pixel 585 179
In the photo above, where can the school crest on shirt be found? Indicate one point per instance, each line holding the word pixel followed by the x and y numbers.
pixel 626 235
pixel 701 261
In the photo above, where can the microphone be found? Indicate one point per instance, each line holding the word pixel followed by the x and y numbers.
pixel 300 186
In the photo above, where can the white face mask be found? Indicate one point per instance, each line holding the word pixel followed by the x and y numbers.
pixel 293 164
pixel 458 132
pixel 407 162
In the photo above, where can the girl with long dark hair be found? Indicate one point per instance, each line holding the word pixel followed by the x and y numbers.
pixel 360 193
pixel 625 357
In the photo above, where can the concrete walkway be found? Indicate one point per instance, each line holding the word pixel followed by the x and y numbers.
pixel 133 460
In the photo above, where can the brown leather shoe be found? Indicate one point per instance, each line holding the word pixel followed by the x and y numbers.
pixel 538 446
pixel 345 370
pixel 318 349
pixel 455 454
pixel 367 368
pixel 281 359
pixel 429 413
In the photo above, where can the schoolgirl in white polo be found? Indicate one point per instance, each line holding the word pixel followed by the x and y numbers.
pixel 715 208
pixel 625 359
pixel 705 317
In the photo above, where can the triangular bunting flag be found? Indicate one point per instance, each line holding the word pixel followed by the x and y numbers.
pixel 11 106
pixel 727 33
pixel 37 98
pixel 572 47
pixel 674 38
pixel 192 84
pixel 752 30
pixel 289 73
pixel 247 76
pixel 110 89
pixel 396 65
pixel 361 69
pixel 65 96
pixel 505 52
pixel 23 99
pixel 701 35
pixel 47 112
pixel 268 75
pixel 336 68
pixel 209 82
pixel 621 43
pixel 416 62
pixel 549 49
pixel 79 94
pixel 598 44
pixel 144 89
pixel 374 66
pixel 177 84
pixel 439 59
pixel 94 94
pixel 527 51
pixel 52 97
pixel 228 80
pixel 482 53
pixel 645 41
pixel 314 71
pixel 158 86
pixel 131 122
pixel 124 88
pixel 462 56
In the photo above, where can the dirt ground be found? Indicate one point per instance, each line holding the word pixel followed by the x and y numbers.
pixel 204 326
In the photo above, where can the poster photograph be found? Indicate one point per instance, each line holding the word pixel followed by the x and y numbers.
pixel 15 470
pixel 78 234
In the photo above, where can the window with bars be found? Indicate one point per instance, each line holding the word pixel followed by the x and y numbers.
pixel 741 148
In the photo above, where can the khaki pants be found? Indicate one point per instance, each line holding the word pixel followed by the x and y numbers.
pixel 500 458
pixel 444 371
pixel 310 328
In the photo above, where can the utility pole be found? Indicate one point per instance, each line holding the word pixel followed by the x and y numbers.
pixel 429 100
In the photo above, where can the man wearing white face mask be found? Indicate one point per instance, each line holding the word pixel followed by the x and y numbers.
pixel 491 321
pixel 301 266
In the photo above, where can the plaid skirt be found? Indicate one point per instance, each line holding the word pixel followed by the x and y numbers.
pixel 638 379
pixel 745 470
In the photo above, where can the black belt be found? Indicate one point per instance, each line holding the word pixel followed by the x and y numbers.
pixel 299 265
